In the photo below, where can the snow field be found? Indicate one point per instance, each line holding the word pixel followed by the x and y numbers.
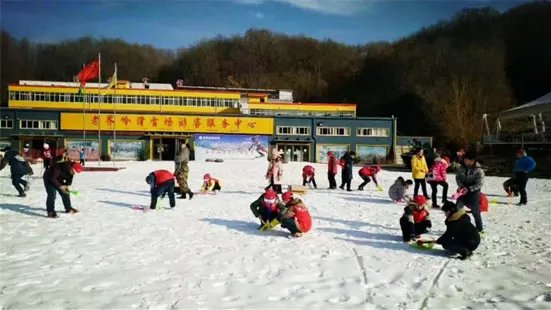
pixel 207 253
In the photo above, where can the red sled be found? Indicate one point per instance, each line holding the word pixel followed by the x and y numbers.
pixel 483 203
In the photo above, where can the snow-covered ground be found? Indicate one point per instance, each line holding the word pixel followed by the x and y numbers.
pixel 207 253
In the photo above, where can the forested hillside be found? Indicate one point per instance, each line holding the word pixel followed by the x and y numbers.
pixel 438 81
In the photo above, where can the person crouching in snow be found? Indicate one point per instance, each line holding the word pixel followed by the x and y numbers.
pixel 368 172
pixel 438 176
pixel 295 216
pixel 210 184
pixel 397 192
pixel 18 169
pixel 57 178
pixel 416 219
pixel 266 207
pixel 161 183
pixel 461 236
pixel 309 176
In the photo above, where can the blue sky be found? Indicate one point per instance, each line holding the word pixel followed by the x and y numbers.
pixel 173 24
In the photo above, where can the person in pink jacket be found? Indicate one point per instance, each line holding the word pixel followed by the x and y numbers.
pixel 437 176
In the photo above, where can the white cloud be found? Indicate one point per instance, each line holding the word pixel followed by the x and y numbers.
pixel 335 7
pixel 259 15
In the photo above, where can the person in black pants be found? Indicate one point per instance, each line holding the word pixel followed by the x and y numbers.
pixel 523 165
pixel 471 178
pixel 419 171
pixel 346 173
pixel 57 179
pixel 18 169
pixel 161 183
pixel 461 236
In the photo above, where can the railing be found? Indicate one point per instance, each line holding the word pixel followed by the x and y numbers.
pixel 520 138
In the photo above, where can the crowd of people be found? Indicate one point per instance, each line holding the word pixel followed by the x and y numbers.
pixel 461 236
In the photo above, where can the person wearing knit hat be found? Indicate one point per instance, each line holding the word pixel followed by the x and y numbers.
pixel 470 180
pixel 416 219
pixel 461 237
pixel 523 165
pixel 267 207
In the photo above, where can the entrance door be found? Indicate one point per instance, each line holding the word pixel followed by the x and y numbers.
pixel 295 152
pixel 164 148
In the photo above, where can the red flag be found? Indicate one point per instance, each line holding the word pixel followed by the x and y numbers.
pixel 89 72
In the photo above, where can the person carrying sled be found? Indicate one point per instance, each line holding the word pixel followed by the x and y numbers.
pixel 332 170
pixel 57 179
pixel 18 169
pixel 346 173
pixel 367 173
pixel 461 237
pixel 275 172
pixel 419 171
pixel 309 176
pixel 181 171
pixel 266 207
pixel 523 165
pixel 161 182
pixel 470 180
pixel 438 176
pixel 295 216
pixel 397 192
pixel 416 219
pixel 210 184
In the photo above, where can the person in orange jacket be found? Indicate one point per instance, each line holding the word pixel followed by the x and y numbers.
pixel 309 176
pixel 161 183
pixel 210 184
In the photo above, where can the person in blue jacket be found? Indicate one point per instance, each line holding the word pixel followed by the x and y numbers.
pixel 523 165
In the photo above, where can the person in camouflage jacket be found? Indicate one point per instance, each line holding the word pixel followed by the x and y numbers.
pixel 181 171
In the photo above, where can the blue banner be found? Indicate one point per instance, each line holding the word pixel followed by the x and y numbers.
pixel 220 146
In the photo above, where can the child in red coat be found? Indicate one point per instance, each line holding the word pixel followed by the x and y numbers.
pixel 161 182
pixel 416 219
pixel 368 172
pixel 296 217
pixel 308 176
pixel 332 170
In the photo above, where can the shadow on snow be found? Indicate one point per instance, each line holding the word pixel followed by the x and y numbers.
pixel 250 228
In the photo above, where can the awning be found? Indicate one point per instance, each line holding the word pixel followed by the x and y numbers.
pixel 540 105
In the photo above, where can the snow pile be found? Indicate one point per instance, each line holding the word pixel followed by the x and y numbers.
pixel 207 252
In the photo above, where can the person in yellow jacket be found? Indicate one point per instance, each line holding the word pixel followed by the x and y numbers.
pixel 419 172
pixel 210 184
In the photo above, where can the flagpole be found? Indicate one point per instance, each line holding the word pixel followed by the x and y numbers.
pixel 99 107
pixel 84 112
pixel 115 113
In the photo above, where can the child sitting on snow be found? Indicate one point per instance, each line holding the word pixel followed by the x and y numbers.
pixel 308 176
pixel 368 172
pixel 210 184
pixel 161 183
pixel 266 207
pixel 416 219
pixel 296 217
pixel 461 236
pixel 397 192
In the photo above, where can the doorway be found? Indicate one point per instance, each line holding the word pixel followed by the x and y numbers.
pixel 294 152
pixel 36 146
pixel 168 148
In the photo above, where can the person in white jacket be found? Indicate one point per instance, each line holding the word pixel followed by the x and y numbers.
pixel 397 192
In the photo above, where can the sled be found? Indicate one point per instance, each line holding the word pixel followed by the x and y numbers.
pixel 299 189
pixel 270 226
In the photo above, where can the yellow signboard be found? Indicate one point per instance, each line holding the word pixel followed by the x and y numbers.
pixel 170 123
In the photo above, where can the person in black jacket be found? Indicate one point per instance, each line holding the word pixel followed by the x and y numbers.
pixel 18 169
pixel 461 237
pixel 58 178
pixel 346 173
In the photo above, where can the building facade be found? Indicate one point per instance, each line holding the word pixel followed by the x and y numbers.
pixel 139 122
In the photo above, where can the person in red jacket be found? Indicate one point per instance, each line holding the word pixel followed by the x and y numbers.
pixel 210 184
pixel 416 219
pixel 48 158
pixel 332 170
pixel 161 183
pixel 366 173
pixel 296 217
pixel 309 176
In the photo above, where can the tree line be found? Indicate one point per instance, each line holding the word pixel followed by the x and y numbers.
pixel 438 81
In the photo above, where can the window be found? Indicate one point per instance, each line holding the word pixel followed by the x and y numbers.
pixel 32 124
pixel 372 132
pixel 333 131
pixel 293 130
pixel 6 123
